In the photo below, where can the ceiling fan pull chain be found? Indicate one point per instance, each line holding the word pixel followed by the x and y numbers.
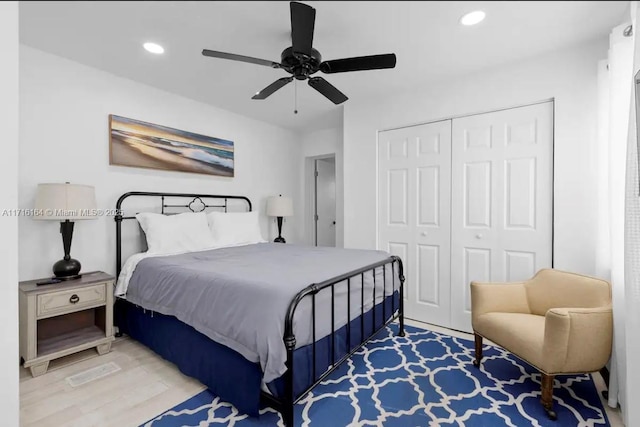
pixel 295 97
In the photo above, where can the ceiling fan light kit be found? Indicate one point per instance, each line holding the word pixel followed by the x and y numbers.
pixel 302 61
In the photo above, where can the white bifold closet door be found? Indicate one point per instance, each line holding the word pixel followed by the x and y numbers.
pixel 501 205
pixel 466 199
pixel 414 217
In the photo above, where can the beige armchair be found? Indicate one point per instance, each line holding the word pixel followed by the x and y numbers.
pixel 559 322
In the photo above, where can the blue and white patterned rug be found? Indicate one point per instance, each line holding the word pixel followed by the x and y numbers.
pixel 423 379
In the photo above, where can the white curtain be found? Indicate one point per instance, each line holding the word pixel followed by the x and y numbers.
pixel 631 412
pixel 615 88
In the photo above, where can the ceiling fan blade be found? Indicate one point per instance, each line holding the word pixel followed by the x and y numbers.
pixel 267 91
pixel 327 89
pixel 241 58
pixel 303 20
pixel 360 63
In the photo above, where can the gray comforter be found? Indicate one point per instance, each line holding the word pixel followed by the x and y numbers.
pixel 239 296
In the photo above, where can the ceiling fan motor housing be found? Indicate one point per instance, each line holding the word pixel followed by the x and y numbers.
pixel 300 65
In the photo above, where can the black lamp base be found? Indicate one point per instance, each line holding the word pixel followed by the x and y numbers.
pixel 279 239
pixel 67 269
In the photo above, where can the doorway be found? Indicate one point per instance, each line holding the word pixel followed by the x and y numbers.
pixel 324 201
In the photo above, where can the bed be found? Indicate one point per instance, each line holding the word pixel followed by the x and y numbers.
pixel 258 324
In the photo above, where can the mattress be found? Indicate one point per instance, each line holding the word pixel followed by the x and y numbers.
pixel 239 296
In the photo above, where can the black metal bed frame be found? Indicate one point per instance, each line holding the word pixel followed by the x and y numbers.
pixel 286 404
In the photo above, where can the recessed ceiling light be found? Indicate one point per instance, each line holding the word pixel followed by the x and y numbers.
pixel 153 48
pixel 472 18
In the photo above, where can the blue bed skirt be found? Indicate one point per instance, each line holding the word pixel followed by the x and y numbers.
pixel 226 372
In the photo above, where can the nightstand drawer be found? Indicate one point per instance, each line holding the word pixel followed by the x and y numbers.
pixel 71 300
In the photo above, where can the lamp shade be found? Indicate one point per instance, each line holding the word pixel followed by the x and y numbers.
pixel 59 202
pixel 279 206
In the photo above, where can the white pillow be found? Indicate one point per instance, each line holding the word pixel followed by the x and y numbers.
pixel 169 234
pixel 235 228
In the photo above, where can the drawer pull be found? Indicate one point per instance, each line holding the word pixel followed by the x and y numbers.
pixel 74 299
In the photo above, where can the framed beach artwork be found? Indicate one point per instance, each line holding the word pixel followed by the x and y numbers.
pixel 145 145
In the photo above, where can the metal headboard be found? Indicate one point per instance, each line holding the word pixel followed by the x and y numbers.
pixel 198 203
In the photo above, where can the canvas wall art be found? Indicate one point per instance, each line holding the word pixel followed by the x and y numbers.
pixel 145 145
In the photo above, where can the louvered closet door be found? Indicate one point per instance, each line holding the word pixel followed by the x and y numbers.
pixel 502 200
pixel 414 175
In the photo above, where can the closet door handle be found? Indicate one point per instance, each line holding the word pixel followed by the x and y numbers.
pixel 423 234
pixel 478 236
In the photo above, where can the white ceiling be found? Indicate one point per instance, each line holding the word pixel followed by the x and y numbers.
pixel 429 43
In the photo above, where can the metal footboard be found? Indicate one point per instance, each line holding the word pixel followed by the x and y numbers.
pixel 286 404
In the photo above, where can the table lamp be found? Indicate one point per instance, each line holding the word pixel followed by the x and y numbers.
pixel 279 207
pixel 65 203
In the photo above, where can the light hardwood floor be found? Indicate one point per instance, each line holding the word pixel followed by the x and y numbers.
pixel 145 387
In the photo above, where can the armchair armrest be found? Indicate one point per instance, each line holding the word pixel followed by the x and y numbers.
pixel 577 339
pixel 498 297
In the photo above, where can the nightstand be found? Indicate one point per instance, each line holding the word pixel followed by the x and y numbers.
pixel 64 318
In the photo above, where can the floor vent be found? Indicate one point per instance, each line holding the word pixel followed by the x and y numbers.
pixel 92 374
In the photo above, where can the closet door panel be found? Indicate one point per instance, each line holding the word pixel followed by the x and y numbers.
pixel 397 197
pixel 502 195
pixel 428 197
pixel 422 154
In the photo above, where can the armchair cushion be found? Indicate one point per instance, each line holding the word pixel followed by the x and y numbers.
pixel 521 334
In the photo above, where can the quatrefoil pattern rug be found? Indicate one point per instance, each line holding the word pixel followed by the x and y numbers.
pixel 423 379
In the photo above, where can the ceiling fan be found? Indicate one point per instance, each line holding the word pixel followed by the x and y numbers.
pixel 301 60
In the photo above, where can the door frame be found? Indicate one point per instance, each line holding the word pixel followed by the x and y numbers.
pixel 475 113
pixel 553 161
pixel 311 196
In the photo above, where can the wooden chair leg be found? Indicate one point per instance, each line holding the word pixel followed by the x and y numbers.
pixel 547 396
pixel 478 340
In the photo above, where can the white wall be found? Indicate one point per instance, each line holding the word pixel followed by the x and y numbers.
pixel 315 144
pixel 64 137
pixel 568 76
pixel 9 407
